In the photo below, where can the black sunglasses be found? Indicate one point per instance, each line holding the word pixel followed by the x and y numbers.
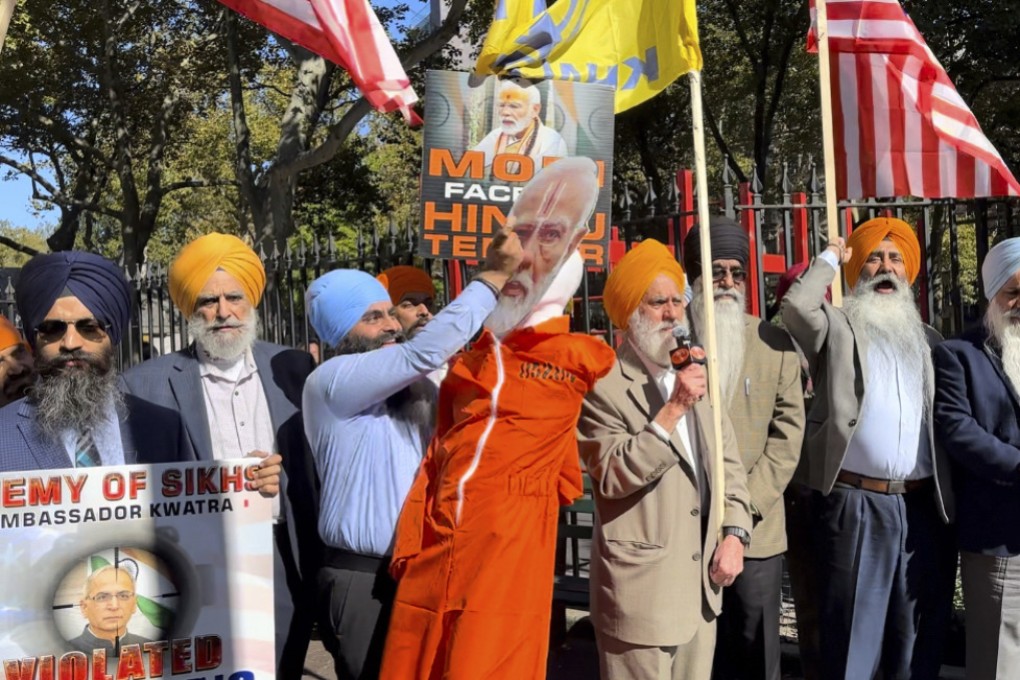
pixel 52 329
pixel 719 273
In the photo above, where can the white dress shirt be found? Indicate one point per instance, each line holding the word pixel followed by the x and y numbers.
pixel 237 409
pixel 665 380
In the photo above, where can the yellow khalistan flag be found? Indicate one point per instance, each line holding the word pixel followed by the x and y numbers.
pixel 637 46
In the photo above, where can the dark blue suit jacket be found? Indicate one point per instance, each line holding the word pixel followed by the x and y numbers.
pixel 173 381
pixel 149 434
pixel 977 422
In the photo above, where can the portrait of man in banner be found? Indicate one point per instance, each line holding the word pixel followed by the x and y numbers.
pixel 116 597
pixel 519 128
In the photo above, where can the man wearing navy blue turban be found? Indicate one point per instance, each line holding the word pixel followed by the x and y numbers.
pixel 75 308
pixel 368 415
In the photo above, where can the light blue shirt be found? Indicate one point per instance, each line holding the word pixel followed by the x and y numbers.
pixel 367 460
pixel 890 441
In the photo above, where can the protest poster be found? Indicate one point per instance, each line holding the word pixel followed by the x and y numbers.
pixel 136 572
pixel 485 138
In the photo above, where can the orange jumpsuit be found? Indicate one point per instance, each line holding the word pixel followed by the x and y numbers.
pixel 474 598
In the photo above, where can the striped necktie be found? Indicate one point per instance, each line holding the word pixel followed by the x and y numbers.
pixel 85 452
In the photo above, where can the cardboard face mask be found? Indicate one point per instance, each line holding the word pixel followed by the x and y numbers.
pixel 551 218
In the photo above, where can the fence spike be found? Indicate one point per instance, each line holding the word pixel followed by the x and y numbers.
pixel 813 183
pixel 787 185
pixel 756 185
pixel 393 227
pixel 727 176
pixel 650 196
pixel 276 251
pixel 673 193
pixel 331 247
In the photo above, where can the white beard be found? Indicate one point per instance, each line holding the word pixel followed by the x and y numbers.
pixel 511 311
pixel 652 339
pixel 1002 325
pixel 223 348
pixel 893 322
pixel 731 343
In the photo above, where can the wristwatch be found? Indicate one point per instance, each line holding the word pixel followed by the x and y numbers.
pixel 744 537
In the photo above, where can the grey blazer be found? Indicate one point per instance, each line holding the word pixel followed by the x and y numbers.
pixel 650 559
pixel 836 360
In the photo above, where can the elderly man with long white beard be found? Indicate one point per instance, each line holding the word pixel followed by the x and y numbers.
pixel 658 563
pixel 977 420
pixel 882 491
pixel 759 371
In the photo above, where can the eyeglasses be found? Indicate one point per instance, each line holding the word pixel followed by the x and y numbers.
pixel 719 273
pixel 103 598
pixel 54 329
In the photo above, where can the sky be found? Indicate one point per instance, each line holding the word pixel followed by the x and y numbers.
pixel 16 193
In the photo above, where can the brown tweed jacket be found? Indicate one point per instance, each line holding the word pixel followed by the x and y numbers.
pixel 767 412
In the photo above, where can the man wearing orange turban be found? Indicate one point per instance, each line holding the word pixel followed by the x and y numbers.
pixel 413 295
pixel 646 437
pixel 881 493
pixel 242 397
pixel 15 363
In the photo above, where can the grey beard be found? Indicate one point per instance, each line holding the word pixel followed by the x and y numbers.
pixel 729 332
pixel 415 405
pixel 223 349
pixel 1006 335
pixel 893 322
pixel 74 400
pixel 655 346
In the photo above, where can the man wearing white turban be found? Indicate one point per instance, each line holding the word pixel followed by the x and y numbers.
pixel 977 420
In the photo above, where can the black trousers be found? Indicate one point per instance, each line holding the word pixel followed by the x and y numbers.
pixel 747 633
pixel 356 596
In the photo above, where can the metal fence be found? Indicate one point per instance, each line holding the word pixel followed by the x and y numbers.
pixel 785 226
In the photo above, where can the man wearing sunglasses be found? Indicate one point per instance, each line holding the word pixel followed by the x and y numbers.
pixel 760 382
pixel 75 308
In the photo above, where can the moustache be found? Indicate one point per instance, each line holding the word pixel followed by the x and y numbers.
pixel 59 363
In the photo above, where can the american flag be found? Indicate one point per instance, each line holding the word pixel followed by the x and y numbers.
pixel 346 32
pixel 901 127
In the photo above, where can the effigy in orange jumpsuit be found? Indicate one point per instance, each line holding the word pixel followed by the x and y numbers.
pixel 476 540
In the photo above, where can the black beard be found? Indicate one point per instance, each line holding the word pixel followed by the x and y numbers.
pixel 74 398
pixel 415 404
pixel 355 344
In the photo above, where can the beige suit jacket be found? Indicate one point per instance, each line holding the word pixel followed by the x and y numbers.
pixel 836 355
pixel 767 412
pixel 650 560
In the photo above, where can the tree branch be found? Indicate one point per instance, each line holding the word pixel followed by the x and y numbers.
pixel 745 42
pixel 20 247
pixel 339 131
pixel 198 184
pixel 724 148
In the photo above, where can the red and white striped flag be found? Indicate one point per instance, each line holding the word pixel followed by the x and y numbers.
pixel 901 127
pixel 348 33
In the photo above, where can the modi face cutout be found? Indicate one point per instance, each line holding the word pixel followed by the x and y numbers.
pixel 551 218
pixel 518 106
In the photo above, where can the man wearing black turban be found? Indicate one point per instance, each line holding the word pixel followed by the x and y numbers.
pixel 76 307
pixel 759 381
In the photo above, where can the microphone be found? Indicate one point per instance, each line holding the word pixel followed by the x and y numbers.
pixel 686 352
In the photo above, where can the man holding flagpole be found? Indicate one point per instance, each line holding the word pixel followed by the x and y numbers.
pixel 882 493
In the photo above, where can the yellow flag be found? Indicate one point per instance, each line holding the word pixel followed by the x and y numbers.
pixel 637 46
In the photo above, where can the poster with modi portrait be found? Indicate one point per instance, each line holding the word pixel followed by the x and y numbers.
pixel 486 138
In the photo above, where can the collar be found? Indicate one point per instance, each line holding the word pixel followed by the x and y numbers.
pixel 229 369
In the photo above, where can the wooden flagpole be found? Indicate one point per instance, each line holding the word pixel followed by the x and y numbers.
pixel 828 139
pixel 6 11
pixel 707 334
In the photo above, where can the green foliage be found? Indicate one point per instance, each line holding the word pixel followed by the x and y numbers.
pixel 9 257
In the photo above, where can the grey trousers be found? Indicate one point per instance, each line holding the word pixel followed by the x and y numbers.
pixel 357 598
pixel 991 597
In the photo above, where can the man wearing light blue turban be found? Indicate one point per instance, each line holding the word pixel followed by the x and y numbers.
pixel 368 417
pixel 977 420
